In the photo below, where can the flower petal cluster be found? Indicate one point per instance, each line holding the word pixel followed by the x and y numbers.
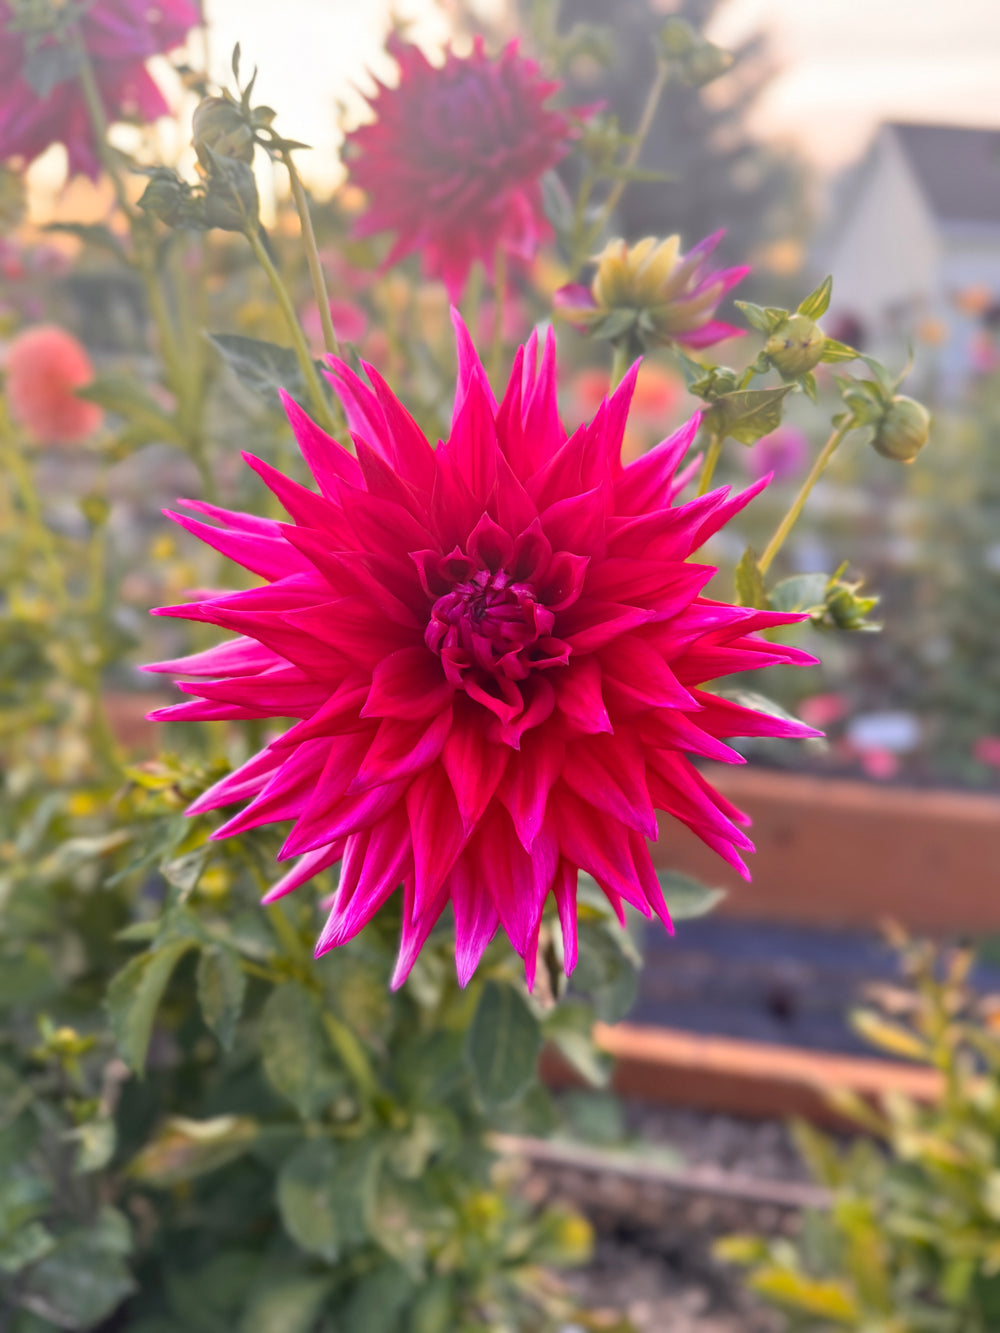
pixel 453 161
pixel 650 295
pixel 497 653
pixel 43 368
pixel 118 37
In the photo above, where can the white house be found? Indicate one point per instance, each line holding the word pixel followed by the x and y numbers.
pixel 914 247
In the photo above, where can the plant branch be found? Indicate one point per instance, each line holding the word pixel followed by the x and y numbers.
pixel 312 255
pixel 798 504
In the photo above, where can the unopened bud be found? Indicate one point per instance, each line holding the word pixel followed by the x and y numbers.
pixel 903 430
pixel 166 197
pixel 219 125
pixel 231 200
pixel 796 346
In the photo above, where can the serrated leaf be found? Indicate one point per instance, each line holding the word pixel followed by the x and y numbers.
pixel 184 1149
pixel 607 972
pixel 686 897
pixel 750 590
pixel 503 1044
pixel 764 321
pixel 801 592
pixel 325 1192
pixel 817 302
pixel 134 995
pixel 295 1051
pixel 222 985
pixel 262 367
pixel 569 1027
pixel 747 414
pixel 286 1305
pixel 84 1279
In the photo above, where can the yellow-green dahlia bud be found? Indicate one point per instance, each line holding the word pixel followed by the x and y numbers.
pixel 903 430
pixel 796 346
pixel 219 125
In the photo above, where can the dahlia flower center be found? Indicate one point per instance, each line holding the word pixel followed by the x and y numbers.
pixel 491 622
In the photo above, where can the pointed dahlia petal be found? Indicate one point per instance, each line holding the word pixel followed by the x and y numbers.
pixel 305 869
pixel 579 698
pixel 564 888
pixel 436 834
pixel 476 916
pixel 270 557
pixel 237 657
pixel 328 461
pixel 474 766
pixel 646 484
pixel 401 749
pixel 408 683
pixel 527 781
pixel 300 503
pixel 414 933
pixel 242 783
pixel 375 861
pixel 609 773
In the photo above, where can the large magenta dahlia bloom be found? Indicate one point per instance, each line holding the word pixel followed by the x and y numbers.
pixel 453 161
pixel 41 101
pixel 496 651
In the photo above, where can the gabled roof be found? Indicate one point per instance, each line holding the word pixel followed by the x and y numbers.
pixel 958 169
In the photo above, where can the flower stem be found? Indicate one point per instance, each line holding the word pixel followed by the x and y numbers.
pixel 798 504
pixel 619 365
pixel 38 530
pixel 499 299
pixel 712 454
pixel 312 255
pixel 306 363
pixel 632 156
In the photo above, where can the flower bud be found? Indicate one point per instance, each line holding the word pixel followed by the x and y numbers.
pixel 219 125
pixel 796 346
pixel 166 197
pixel 231 200
pixel 903 430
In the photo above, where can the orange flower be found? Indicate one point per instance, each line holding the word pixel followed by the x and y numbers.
pixel 45 366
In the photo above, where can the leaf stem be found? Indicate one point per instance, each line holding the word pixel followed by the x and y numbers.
pixel 712 455
pixel 499 300
pixel 316 273
pixel 632 156
pixel 301 348
pixel 798 504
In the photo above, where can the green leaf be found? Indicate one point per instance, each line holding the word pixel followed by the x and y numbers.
pixel 798 1292
pixel 183 874
pixel 96 1140
pixel 503 1044
pixel 222 985
pixel 286 1305
pixel 834 351
pixel 183 1149
pixel 126 396
pixel 606 972
pixel 569 1028
pixel 750 590
pixel 686 898
pixel 91 233
pixel 24 1247
pixel 802 592
pixel 262 367
pixel 325 1192
pixel 747 414
pixel 378 1302
pixel 817 302
pixel 84 1279
pixel 134 995
pixel 295 1051
pixel 765 319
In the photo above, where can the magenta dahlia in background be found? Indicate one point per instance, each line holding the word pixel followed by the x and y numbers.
pixel 41 101
pixel 453 161
pixel 496 651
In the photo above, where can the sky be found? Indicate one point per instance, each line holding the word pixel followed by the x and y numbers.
pixel 843 65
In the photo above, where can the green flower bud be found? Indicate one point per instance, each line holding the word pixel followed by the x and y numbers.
pixel 219 125
pixel 167 197
pixel 796 346
pixel 231 200
pixel 903 430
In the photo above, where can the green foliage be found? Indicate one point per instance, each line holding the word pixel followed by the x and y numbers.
pixel 911 1240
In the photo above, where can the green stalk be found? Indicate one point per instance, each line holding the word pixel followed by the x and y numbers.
pixel 312 255
pixel 798 504
pixel 316 396
pixel 632 156
pixel 499 297
pixel 712 454
pixel 619 364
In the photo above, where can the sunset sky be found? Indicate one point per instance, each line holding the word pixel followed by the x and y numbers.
pixel 844 65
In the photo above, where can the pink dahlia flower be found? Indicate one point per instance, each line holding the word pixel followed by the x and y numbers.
pixel 496 651
pixel 118 35
pixel 453 161
pixel 44 366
